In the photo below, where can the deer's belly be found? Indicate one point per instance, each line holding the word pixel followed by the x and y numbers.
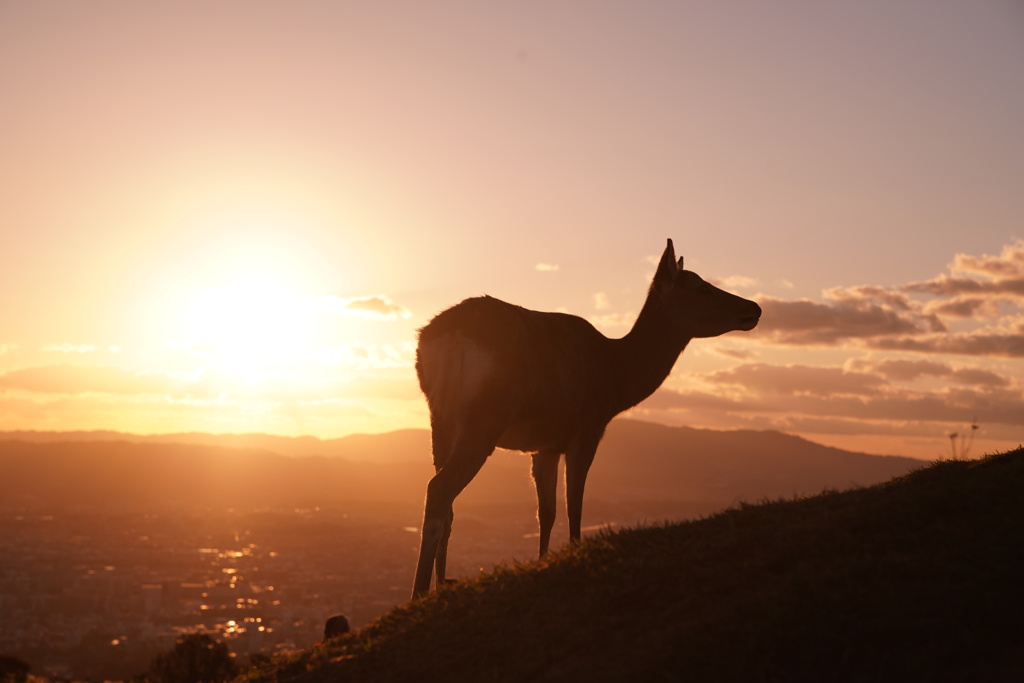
pixel 536 435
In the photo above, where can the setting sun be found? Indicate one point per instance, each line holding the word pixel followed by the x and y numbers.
pixel 250 324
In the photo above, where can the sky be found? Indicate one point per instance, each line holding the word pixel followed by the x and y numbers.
pixel 233 216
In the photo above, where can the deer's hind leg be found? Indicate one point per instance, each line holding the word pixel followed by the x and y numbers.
pixel 441 556
pixel 545 478
pixel 442 438
pixel 470 450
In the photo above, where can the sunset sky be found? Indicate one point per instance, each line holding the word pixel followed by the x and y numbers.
pixel 233 216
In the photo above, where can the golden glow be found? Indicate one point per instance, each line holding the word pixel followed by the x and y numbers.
pixel 249 325
pixel 245 235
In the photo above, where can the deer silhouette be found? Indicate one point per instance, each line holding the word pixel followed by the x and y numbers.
pixel 499 375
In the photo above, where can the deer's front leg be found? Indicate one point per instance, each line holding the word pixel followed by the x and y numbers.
pixel 578 459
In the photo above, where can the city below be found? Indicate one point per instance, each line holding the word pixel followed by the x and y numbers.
pixel 90 594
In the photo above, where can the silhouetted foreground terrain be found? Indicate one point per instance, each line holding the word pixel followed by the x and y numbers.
pixel 918 579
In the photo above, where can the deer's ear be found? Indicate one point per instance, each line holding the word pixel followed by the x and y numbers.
pixel 667 271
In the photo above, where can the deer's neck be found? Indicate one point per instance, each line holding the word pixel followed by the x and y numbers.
pixel 644 358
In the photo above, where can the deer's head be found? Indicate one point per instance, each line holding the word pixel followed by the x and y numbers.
pixel 695 308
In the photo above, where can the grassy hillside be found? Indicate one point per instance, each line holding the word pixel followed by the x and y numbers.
pixel 921 578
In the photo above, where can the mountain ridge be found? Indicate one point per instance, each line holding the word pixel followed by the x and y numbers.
pixel 643 470
pixel 312 445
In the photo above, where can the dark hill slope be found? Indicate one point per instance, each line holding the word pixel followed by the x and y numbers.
pixel 921 579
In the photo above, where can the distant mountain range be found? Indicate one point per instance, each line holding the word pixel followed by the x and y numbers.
pixel 642 470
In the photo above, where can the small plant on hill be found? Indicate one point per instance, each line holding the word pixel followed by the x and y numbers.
pixel 959 445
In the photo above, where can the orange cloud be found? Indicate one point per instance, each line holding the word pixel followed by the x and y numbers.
pixel 909 370
pixel 964 307
pixel 210 383
pixel 379 306
pixel 1003 276
pixel 965 344
pixel 1009 263
pixel 895 319
pixel 78 379
pixel 944 285
pixel 1000 406
pixel 613 320
pixel 798 379
pixel 806 322
pixel 735 354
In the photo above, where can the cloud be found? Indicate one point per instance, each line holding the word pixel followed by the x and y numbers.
pixel 945 285
pixel 964 307
pixel 155 413
pixel 862 294
pixel 613 320
pixel 1002 276
pixel 669 399
pixel 798 379
pixel 735 354
pixel 1009 264
pixel 735 282
pixel 601 301
pixel 992 406
pixel 373 355
pixel 212 383
pixel 912 317
pixel 806 322
pixel 396 388
pixel 966 344
pixel 873 395
pixel 380 307
pixel 908 370
pixel 546 267
pixel 79 379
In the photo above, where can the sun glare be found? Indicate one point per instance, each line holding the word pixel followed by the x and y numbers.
pixel 250 325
